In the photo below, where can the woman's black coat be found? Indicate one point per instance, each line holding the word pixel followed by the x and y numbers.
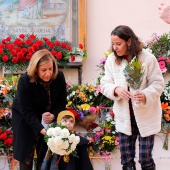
pixel 28 106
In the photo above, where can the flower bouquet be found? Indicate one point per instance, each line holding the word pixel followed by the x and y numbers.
pixel 134 72
pixel 60 140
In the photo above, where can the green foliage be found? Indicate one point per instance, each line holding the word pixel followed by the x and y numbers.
pixel 133 73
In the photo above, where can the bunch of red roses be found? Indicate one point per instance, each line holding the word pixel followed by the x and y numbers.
pixel 16 52
pixel 5 141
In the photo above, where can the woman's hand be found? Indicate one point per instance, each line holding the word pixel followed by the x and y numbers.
pixel 123 93
pixel 139 97
pixel 47 117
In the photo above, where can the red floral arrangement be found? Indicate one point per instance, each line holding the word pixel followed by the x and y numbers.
pixel 5 141
pixel 16 52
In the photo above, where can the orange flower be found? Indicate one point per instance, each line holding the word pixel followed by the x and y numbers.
pixel 5 90
pixel 164 105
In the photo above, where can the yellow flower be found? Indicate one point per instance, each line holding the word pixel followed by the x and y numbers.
pixel 85 106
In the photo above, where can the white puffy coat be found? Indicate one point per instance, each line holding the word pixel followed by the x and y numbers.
pixel 148 115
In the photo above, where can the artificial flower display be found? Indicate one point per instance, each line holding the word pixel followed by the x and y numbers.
pixel 15 52
pixel 60 140
pixel 133 73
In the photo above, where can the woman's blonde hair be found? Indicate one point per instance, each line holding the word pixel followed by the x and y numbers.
pixel 39 58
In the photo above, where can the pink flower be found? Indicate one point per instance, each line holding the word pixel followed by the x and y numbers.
pixel 93 110
pixel 98 89
pixel 162 66
pixel 161 58
pixel 116 140
pixel 107 130
pixel 102 61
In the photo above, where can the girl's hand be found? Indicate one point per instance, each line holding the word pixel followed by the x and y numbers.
pixel 139 97
pixel 123 93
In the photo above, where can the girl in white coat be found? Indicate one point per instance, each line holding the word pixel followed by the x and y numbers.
pixel 131 121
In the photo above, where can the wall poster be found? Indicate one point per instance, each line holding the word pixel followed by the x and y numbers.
pixel 45 18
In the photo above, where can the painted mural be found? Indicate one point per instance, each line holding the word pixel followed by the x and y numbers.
pixel 45 18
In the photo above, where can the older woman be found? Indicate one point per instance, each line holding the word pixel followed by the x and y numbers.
pixel 41 94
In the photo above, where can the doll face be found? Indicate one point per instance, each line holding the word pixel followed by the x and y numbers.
pixel 119 45
pixel 45 71
pixel 69 122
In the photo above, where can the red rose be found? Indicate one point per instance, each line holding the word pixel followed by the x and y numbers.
pixel 8 132
pixel 28 42
pixel 1 131
pixel 5 58
pixel 20 55
pixel 53 52
pixel 8 39
pixel 30 49
pixel 28 56
pixel 3 136
pixel 45 39
pixel 57 43
pixel 39 42
pixel 36 47
pixel 80 46
pixel 22 59
pixel 10 46
pixel 59 55
pixel 1 50
pixel 68 47
pixel 72 58
pixel 8 141
pixel 22 36
pixel 32 37
pixel 13 52
pixel 63 45
pixel 23 50
pixel 15 60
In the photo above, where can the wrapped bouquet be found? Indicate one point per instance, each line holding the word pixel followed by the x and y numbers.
pixel 60 140
pixel 134 72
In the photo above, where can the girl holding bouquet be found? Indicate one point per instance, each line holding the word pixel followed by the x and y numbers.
pixel 132 121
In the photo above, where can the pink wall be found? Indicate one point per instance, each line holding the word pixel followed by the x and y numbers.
pixel 104 15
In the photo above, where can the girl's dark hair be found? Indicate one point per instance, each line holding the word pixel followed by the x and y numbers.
pixel 124 32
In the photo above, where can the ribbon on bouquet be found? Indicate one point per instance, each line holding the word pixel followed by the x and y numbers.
pixel 106 155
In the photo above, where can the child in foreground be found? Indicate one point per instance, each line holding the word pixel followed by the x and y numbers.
pixel 79 162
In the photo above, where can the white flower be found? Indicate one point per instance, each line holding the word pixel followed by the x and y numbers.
pixel 73 147
pixel 58 140
pixel 65 145
pixel 76 140
pixel 56 131
pixel 50 131
pixel 65 133
pixel 71 138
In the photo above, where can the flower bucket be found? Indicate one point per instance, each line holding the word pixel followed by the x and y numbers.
pixel 103 113
pixel 76 59
pixel 87 120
